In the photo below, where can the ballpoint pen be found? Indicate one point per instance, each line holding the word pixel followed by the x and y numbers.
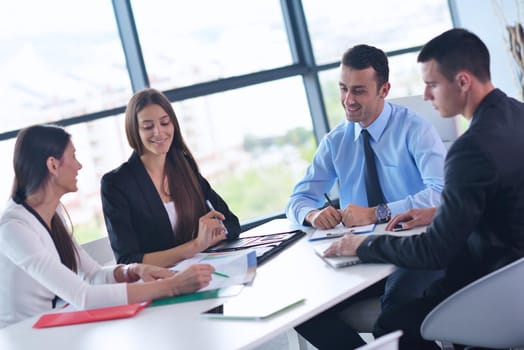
pixel 210 206
pixel 220 274
pixel 329 200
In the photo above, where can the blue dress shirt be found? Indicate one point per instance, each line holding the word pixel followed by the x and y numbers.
pixel 409 159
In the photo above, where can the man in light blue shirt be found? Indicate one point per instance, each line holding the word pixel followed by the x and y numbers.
pixel 409 158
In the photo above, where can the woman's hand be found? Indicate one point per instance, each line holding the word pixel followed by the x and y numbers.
pixel 149 272
pixel 191 279
pixel 211 230
pixel 412 218
pixel 134 272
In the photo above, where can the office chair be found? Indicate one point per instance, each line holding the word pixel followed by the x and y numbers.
pixel 100 250
pixel 486 313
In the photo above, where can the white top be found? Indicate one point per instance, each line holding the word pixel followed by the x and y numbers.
pixel 171 212
pixel 32 273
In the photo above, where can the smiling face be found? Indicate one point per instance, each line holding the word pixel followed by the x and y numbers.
pixel 67 168
pixel 445 96
pixel 360 96
pixel 156 130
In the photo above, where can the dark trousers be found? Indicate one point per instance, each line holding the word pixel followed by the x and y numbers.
pixel 329 331
pixel 408 317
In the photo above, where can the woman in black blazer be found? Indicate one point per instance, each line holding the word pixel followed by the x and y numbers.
pixel 154 204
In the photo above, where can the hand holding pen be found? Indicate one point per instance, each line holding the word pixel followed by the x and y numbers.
pixel 326 218
pixel 210 206
pixel 211 230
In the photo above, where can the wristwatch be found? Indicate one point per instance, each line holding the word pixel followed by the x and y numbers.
pixel 382 213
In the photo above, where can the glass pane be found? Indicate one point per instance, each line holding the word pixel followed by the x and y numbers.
pixel 187 42
pixel 59 59
pixel 7 174
pixel 336 25
pixel 404 76
pixel 252 144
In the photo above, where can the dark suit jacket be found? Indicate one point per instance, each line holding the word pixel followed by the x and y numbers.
pixel 479 226
pixel 136 219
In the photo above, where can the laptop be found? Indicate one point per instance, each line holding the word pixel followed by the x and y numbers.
pixel 335 261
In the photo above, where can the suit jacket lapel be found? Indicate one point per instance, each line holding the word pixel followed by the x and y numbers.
pixel 152 200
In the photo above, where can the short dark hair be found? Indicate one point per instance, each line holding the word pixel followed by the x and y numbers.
pixel 365 56
pixel 458 49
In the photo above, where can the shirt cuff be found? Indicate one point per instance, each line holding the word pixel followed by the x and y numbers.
pixel 397 207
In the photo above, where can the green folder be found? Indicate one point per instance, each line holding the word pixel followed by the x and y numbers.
pixel 208 294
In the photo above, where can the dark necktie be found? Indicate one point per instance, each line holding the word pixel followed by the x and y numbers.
pixel 373 190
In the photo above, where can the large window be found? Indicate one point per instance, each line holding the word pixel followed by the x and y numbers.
pixel 59 59
pixel 336 25
pixel 240 81
pixel 252 144
pixel 195 41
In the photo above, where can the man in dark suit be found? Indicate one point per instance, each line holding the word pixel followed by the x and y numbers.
pixel 479 226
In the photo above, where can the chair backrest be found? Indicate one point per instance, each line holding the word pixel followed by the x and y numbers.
pixel 386 342
pixel 447 128
pixel 486 313
pixel 100 250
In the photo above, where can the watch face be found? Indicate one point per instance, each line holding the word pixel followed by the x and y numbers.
pixel 382 213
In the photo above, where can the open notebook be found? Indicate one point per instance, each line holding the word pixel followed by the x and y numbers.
pixel 336 261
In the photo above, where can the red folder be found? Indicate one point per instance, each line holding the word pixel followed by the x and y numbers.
pixel 91 315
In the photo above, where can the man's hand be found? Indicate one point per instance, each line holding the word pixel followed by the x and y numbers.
pixel 346 246
pixel 355 215
pixel 324 219
pixel 413 218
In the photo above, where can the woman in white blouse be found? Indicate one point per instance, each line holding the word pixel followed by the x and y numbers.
pixel 40 260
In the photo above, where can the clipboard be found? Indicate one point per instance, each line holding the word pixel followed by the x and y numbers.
pixel 91 315
pixel 265 246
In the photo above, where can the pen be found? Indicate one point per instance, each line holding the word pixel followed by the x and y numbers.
pixel 329 200
pixel 220 274
pixel 329 234
pixel 210 206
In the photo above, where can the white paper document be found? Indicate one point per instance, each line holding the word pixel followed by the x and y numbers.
pixel 232 268
pixel 339 231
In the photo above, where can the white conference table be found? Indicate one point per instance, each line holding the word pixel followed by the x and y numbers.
pixel 296 270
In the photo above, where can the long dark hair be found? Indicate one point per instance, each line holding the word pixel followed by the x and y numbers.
pixel 181 169
pixel 34 145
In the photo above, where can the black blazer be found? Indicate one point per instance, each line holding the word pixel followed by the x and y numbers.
pixel 479 225
pixel 135 217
